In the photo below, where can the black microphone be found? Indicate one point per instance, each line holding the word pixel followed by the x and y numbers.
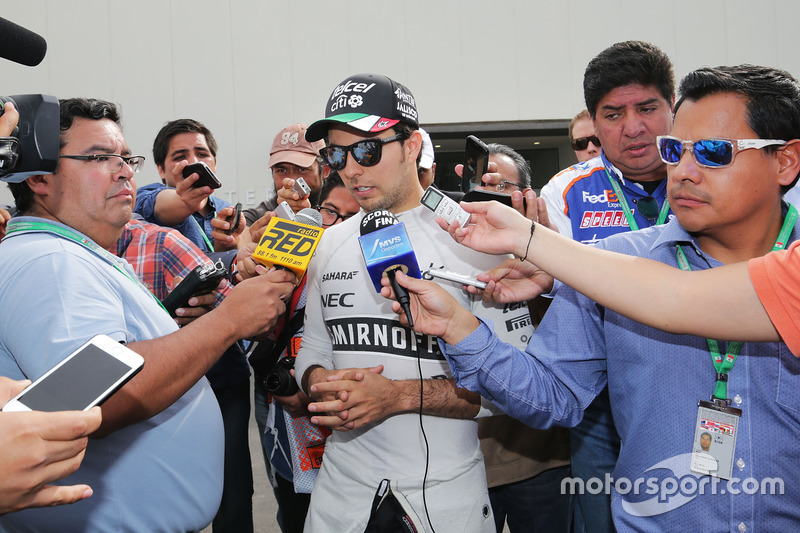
pixel 387 249
pixel 20 45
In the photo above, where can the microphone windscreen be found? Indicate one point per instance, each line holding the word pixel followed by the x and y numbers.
pixel 309 216
pixel 20 45
pixel 377 219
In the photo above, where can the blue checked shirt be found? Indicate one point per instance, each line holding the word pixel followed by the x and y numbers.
pixel 655 380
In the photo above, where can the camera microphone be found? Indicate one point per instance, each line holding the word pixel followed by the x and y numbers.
pixel 387 249
pixel 20 45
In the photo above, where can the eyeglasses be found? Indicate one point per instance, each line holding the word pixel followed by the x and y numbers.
pixel 112 163
pixel 582 143
pixel 367 153
pixel 502 185
pixel 647 207
pixel 330 216
pixel 710 153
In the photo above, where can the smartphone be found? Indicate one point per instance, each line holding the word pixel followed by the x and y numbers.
pixel 233 220
pixel 284 211
pixel 301 187
pixel 453 276
pixel 204 278
pixel 480 195
pixel 444 206
pixel 207 176
pixel 87 377
pixel 476 163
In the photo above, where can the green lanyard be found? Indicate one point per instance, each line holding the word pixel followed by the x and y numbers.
pixel 724 365
pixel 662 215
pixel 203 233
pixel 20 227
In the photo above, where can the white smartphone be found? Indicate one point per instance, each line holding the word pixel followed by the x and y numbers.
pixel 453 276
pixel 284 211
pixel 301 187
pixel 444 206
pixel 87 377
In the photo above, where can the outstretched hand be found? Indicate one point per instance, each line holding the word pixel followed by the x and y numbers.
pixel 435 311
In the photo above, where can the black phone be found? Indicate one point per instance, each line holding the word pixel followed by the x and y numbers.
pixel 207 176
pixel 476 163
pixel 233 220
pixel 202 279
pixel 480 195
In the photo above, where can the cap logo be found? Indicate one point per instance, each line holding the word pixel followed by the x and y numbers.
pixel 351 86
pixel 382 125
pixel 404 97
pixel 355 100
pixel 288 137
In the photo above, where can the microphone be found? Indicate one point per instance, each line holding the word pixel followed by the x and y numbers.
pixel 387 249
pixel 20 45
pixel 289 244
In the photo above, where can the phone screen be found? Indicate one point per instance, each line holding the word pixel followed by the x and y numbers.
pixel 77 383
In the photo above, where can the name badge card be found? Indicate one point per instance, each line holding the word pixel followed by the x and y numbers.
pixel 715 439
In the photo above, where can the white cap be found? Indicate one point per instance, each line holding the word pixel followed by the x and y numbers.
pixel 426 159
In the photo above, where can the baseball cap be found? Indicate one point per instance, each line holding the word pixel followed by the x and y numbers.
pixel 291 146
pixel 367 102
pixel 426 158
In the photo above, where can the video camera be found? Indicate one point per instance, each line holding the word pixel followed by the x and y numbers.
pixel 33 146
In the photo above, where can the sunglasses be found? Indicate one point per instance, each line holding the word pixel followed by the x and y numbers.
pixel 367 153
pixel 582 143
pixel 710 153
pixel 647 207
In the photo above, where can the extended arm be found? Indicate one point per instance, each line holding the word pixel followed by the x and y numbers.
pixel 173 206
pixel 647 291
pixel 175 362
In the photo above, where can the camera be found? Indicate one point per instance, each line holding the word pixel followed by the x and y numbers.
pixel 33 146
pixel 279 381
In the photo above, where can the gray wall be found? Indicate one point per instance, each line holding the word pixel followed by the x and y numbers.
pixel 247 68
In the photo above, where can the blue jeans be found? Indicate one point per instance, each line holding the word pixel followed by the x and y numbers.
pixel 595 449
pixel 533 504
pixel 235 512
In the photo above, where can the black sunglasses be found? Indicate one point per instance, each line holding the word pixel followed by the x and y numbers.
pixel 581 143
pixel 367 153
pixel 647 207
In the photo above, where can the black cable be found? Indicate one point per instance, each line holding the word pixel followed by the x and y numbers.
pixel 427 448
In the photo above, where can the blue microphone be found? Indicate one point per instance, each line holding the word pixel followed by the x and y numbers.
pixel 387 249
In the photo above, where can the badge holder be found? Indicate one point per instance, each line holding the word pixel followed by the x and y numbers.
pixel 715 438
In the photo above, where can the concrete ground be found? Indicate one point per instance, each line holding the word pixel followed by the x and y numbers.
pixel 264 506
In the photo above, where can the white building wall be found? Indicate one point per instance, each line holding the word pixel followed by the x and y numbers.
pixel 247 68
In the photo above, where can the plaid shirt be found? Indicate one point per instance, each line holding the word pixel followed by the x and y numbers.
pixel 158 255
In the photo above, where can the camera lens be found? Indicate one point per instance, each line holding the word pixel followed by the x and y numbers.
pixel 279 381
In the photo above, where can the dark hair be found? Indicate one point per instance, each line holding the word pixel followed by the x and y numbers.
pixel 627 63
pixel 331 182
pixel 523 168
pixel 69 109
pixel 583 113
pixel 773 98
pixel 175 127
